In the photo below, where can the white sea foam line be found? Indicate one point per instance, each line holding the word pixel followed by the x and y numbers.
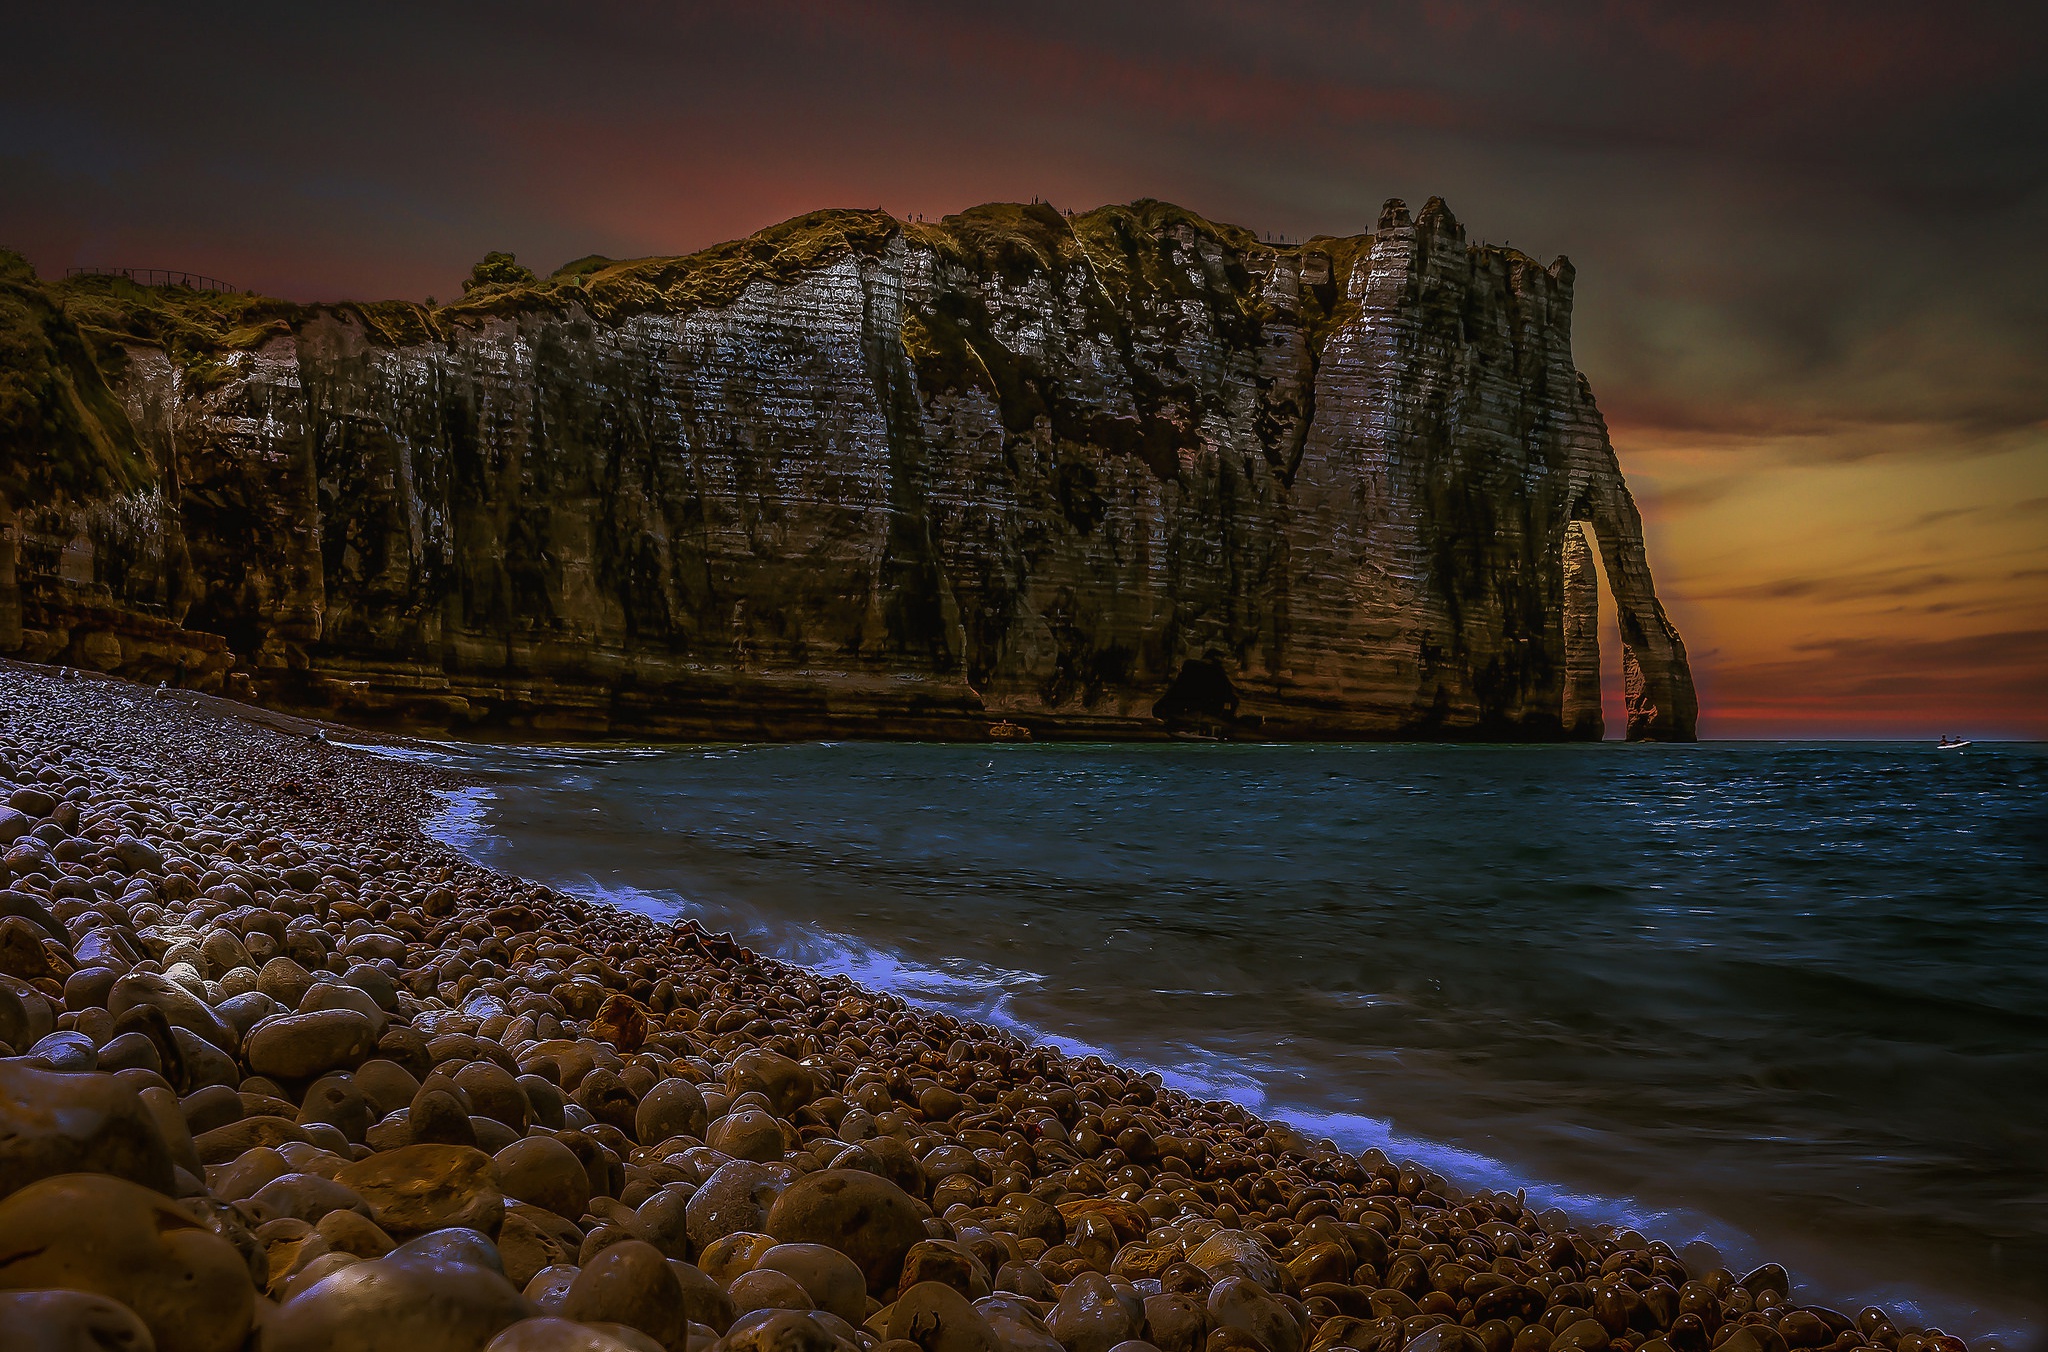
pixel 461 825
pixel 443 753
pixel 461 822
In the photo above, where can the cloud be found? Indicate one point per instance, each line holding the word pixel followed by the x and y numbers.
pixel 1827 589
pixel 1872 684
pixel 1982 512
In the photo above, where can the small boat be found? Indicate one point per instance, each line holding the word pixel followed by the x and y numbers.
pixel 1946 745
pixel 1006 731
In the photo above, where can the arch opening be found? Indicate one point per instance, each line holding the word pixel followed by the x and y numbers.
pixel 1585 715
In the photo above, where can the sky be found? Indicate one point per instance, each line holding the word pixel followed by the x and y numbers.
pixel 1811 238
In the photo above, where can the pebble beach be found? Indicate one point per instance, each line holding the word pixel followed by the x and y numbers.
pixel 279 1071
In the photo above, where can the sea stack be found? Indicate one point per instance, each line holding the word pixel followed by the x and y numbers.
pixel 1120 473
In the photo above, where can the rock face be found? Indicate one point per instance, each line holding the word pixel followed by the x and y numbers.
pixel 1117 473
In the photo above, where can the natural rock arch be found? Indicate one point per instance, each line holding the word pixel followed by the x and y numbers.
pixel 1657 688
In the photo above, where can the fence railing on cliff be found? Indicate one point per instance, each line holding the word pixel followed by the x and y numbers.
pixel 158 277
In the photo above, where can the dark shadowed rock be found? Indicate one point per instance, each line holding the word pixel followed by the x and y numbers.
pixel 549 1334
pixel 391 1303
pixel 113 1238
pixel 833 1281
pixel 1237 1303
pixel 939 1319
pixel 674 1107
pixel 180 1007
pixel 1089 1317
pixel 532 1238
pixel 385 1085
pixel 781 1331
pixel 630 1283
pixel 222 1144
pixel 1176 1321
pixel 663 1220
pixel 70 1321
pixel 736 1197
pixel 787 1084
pixel 53 1123
pixel 704 1300
pixel 495 1093
pixel 543 1171
pixel 865 1217
pixel 299 1046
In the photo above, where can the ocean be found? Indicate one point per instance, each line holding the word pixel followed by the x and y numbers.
pixel 1760 1000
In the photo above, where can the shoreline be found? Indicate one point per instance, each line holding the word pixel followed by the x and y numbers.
pixel 706 1112
pixel 797 852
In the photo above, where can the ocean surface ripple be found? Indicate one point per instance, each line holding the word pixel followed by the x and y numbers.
pixel 1772 999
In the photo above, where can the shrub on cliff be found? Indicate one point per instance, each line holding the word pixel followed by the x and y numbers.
pixel 498 269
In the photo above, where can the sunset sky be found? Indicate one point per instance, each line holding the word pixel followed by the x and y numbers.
pixel 1811 239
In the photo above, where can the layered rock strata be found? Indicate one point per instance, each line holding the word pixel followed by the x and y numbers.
pixel 856 474
pixel 280 1073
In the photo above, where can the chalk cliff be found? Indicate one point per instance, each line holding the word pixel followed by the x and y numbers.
pixel 1105 474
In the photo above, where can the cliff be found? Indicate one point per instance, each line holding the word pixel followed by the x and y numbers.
pixel 1104 474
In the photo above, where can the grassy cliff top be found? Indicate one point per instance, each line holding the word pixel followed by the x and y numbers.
pixel 1142 247
pixel 62 432
pixel 1009 238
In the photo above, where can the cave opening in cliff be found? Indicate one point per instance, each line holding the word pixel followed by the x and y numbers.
pixel 1201 699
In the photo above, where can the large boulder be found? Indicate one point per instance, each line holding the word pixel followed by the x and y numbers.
pixel 181 1008
pixel 787 1084
pixel 864 1216
pixel 736 1197
pixel 22 954
pixel 57 1123
pixel 113 1238
pixel 939 1319
pixel 419 1302
pixel 630 1283
pixel 674 1107
pixel 70 1321
pixel 543 1171
pixel 1090 1317
pixel 1239 1304
pixel 833 1281
pixel 749 1134
pixel 1236 1253
pixel 300 1046
pixel 418 1188
pixel 545 1333
pixel 229 1141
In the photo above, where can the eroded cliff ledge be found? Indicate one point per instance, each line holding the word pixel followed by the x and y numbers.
pixel 1102 474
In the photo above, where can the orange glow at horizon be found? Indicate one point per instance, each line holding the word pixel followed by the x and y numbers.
pixel 1811 296
pixel 1905 595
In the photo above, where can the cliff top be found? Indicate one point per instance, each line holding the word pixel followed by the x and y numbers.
pixel 61 429
pixel 63 341
pixel 1128 247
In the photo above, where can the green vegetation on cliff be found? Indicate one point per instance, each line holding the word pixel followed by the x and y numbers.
pixel 63 340
pixel 1145 251
pixel 62 432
